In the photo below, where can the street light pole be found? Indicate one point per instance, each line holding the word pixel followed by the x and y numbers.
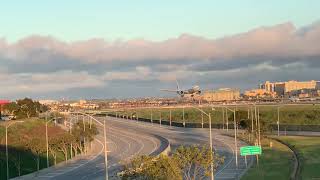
pixel 47 139
pixel 201 120
pixel 278 122
pixel 7 153
pixel 227 119
pixel 210 139
pixel 105 142
pixel 105 149
pixel 259 133
pixel 184 123
pixel 7 156
pixel 235 136
pixel 151 117
pixel 170 118
pixel 222 109
pixel 210 134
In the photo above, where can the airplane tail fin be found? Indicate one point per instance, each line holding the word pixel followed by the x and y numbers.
pixel 178 88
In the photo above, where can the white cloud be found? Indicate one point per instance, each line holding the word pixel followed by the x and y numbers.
pixel 45 65
pixel 44 83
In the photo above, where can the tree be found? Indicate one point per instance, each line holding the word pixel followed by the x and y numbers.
pixel 83 132
pixel 190 162
pixel 149 168
pixel 195 162
pixel 165 168
pixel 18 148
pixel 11 108
pixel 15 158
pixel 63 144
pixel 54 148
pixel 37 147
pixel 27 107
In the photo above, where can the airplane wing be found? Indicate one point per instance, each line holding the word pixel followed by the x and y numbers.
pixel 168 90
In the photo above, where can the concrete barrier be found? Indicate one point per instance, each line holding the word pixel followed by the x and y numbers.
pixel 295 174
pixel 165 147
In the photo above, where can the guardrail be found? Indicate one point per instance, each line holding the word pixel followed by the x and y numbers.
pixel 173 123
pixel 273 127
pixel 295 174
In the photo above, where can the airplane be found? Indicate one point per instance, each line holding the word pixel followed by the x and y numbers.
pixel 195 90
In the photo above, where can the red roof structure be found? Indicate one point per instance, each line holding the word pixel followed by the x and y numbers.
pixel 3 102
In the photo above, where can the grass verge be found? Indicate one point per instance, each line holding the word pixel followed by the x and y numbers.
pixel 275 163
pixel 308 149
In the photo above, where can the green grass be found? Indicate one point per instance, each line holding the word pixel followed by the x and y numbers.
pixel 309 149
pixel 289 114
pixel 275 163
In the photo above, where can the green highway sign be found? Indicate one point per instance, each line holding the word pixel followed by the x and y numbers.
pixel 250 150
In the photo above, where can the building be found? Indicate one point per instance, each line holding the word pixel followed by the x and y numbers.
pixel 285 88
pixel 225 94
pixel 48 102
pixel 259 93
pixel 305 93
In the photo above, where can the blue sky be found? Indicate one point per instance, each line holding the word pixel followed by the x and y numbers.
pixel 148 19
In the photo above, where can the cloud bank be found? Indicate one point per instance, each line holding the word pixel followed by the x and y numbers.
pixel 96 68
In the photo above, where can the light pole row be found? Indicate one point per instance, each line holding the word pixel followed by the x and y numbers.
pixel 105 141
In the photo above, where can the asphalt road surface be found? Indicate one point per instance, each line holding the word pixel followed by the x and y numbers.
pixel 127 138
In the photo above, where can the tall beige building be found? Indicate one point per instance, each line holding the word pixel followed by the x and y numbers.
pixel 225 94
pixel 282 88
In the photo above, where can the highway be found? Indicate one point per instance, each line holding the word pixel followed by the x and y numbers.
pixel 127 138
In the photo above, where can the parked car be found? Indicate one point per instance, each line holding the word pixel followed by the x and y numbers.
pixel 7 117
